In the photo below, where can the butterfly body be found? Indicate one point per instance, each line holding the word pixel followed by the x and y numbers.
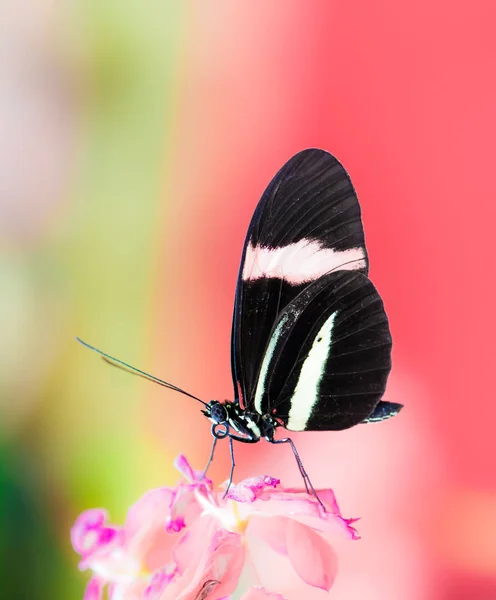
pixel 229 419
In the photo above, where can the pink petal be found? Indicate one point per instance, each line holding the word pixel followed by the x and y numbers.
pixel 190 548
pixel 89 533
pixel 216 573
pixel 94 589
pixel 312 557
pixel 328 497
pixel 195 477
pixel 271 530
pixel 182 465
pixel 146 537
pixel 304 508
pixel 184 509
pixel 153 503
pixel 183 499
pixel 113 564
pixel 158 583
pixel 251 489
pixel 260 593
pixel 350 529
pixel 174 523
pixel 126 591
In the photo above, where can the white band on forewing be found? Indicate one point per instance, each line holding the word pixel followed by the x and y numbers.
pixel 300 262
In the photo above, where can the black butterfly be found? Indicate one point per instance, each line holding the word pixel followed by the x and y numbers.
pixel 311 346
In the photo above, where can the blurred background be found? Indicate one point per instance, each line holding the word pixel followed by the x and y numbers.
pixel 135 140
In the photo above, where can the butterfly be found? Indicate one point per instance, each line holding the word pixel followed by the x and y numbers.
pixel 310 342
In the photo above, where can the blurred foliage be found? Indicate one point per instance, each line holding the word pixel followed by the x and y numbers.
pixel 32 561
pixel 91 275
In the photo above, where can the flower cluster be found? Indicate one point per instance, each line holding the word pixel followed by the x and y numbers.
pixel 191 543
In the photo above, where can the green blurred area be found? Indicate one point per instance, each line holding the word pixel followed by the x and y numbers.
pixel 91 273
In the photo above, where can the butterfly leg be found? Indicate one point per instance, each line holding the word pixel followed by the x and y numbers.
pixel 233 464
pixel 306 479
pixel 210 459
pixel 303 473
pixel 246 439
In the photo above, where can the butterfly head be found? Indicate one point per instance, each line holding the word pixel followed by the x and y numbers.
pixel 216 412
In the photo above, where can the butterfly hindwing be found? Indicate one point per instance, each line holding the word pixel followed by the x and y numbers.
pixel 307 223
pixel 383 411
pixel 328 357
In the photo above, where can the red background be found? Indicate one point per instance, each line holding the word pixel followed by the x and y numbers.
pixel 403 94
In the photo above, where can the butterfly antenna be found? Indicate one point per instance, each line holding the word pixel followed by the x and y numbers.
pixel 115 362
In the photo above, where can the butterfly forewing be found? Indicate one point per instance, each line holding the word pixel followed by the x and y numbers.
pixel 307 224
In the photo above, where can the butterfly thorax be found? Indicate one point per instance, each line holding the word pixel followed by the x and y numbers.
pixel 229 419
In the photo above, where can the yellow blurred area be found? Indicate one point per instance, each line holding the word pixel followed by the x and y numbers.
pixel 87 105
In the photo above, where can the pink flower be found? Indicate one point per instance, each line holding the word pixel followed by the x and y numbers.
pixel 189 542
pixel 259 593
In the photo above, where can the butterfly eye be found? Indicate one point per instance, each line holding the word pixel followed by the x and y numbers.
pixel 218 412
